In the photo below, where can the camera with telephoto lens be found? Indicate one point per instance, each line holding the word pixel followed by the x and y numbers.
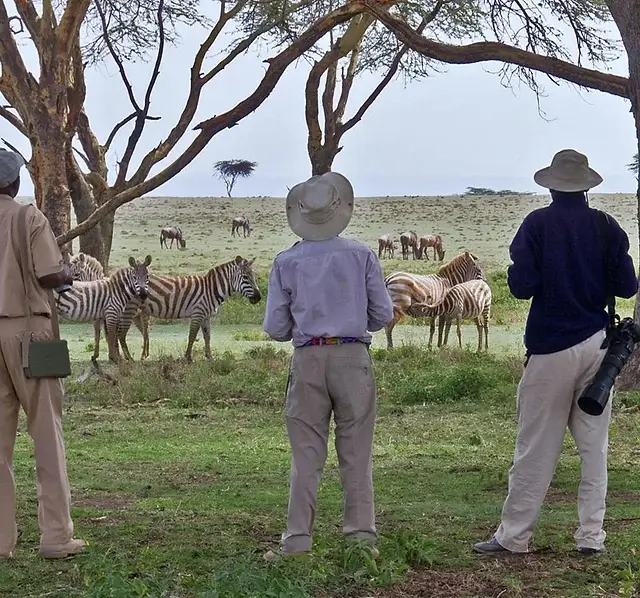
pixel 622 339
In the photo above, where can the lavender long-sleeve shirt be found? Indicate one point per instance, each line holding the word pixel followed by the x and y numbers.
pixel 326 289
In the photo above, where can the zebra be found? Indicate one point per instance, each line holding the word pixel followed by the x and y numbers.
pixel 434 241
pixel 238 223
pixel 106 300
pixel 85 268
pixel 196 297
pixel 405 288
pixel 469 300
pixel 386 246
pixel 409 239
pixel 173 233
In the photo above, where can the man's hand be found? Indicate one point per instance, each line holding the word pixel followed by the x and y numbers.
pixel 62 280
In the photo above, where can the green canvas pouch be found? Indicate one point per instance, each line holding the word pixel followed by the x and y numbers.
pixel 41 357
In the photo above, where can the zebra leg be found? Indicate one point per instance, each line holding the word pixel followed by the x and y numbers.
pixel 440 329
pixel 96 339
pixel 485 325
pixel 111 329
pixel 459 332
pixel 447 328
pixel 122 330
pixel 479 328
pixel 397 316
pixel 206 335
pixel 432 331
pixel 141 321
pixel 194 327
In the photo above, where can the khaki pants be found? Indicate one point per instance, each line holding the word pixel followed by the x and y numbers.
pixel 323 379
pixel 42 403
pixel 547 405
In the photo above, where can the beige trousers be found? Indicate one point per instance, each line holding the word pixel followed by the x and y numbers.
pixel 42 402
pixel 325 379
pixel 547 405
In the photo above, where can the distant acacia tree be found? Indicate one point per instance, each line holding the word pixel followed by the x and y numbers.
pixel 485 191
pixel 231 170
pixel 634 166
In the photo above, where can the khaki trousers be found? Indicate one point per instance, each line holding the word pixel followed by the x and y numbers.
pixel 42 402
pixel 547 405
pixel 323 379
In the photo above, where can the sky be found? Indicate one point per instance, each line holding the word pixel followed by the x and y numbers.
pixel 435 136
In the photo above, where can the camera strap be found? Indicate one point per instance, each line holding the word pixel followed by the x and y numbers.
pixel 604 233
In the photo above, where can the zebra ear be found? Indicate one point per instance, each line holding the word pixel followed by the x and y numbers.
pixel 238 259
pixel 251 262
pixel 132 262
pixel 147 260
pixel 81 257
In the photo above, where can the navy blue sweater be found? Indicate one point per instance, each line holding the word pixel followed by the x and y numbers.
pixel 559 262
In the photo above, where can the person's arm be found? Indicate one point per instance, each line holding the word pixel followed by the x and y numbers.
pixel 278 323
pixel 622 273
pixel 380 306
pixel 47 259
pixel 523 275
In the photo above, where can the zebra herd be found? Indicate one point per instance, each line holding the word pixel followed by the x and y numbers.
pixel 132 295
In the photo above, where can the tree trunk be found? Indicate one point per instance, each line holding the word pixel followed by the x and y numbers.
pixel 626 14
pixel 91 242
pixel 322 157
pixel 48 170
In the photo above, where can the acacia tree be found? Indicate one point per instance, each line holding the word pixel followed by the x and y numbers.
pixel 48 106
pixel 634 166
pixel 231 170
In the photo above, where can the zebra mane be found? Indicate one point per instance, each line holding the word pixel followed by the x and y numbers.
pixel 451 265
pixel 89 260
pixel 224 266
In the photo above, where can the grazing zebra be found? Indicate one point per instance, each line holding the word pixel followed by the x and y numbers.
pixel 465 301
pixel 238 223
pixel 106 300
pixel 175 234
pixel 409 239
pixel 197 297
pixel 434 241
pixel 405 288
pixel 386 246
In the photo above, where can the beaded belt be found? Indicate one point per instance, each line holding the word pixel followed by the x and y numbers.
pixel 331 340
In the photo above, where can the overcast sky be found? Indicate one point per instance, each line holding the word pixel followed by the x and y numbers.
pixel 436 136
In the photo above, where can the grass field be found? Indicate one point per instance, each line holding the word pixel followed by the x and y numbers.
pixel 180 471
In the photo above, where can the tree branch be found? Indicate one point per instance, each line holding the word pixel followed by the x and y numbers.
pixel 68 30
pixel 489 51
pixel 14 149
pixel 30 19
pixel 211 127
pixel 391 73
pixel 141 115
pixel 13 119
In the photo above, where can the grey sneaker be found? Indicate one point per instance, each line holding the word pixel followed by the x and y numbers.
pixel 490 547
pixel 590 551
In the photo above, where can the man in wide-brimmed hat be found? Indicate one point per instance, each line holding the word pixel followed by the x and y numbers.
pixel 326 294
pixel 559 261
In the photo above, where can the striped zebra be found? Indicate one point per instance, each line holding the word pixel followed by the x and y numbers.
pixel 197 297
pixel 86 268
pixel 105 300
pixel 405 288
pixel 465 301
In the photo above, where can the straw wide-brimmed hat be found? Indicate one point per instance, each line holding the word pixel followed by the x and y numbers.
pixel 569 171
pixel 320 207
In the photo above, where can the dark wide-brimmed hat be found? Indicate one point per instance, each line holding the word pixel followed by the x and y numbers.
pixel 569 171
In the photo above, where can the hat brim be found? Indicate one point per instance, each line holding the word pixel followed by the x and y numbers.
pixel 549 180
pixel 338 221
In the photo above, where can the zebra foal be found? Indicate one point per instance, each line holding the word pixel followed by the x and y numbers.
pixel 196 297
pixel 405 288
pixel 106 300
pixel 465 301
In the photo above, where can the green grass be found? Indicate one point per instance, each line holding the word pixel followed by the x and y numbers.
pixel 180 471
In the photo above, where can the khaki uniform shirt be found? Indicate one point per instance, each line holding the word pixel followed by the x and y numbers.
pixel 46 258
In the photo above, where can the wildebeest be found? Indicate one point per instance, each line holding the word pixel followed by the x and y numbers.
pixel 434 241
pixel 386 246
pixel 409 239
pixel 238 223
pixel 173 233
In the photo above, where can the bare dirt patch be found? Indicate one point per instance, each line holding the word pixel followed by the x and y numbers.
pixel 104 502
